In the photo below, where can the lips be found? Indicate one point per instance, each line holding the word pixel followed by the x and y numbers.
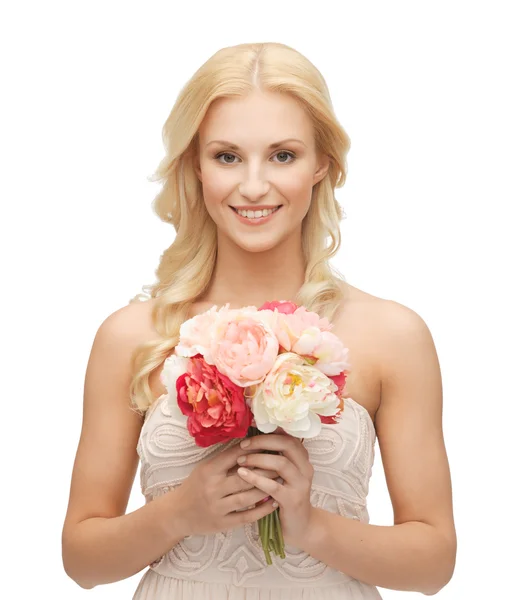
pixel 256 221
pixel 235 209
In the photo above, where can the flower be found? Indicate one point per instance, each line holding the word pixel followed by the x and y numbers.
pixel 292 396
pixel 242 346
pixel 328 349
pixel 174 366
pixel 195 333
pixel 215 407
pixel 283 306
pixel 291 327
pixel 340 381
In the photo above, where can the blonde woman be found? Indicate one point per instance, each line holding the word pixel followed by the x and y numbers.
pixel 254 153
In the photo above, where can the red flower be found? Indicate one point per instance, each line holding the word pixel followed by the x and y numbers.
pixel 215 406
pixel 283 306
pixel 340 382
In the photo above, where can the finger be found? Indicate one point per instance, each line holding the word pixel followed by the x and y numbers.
pixel 265 472
pixel 271 487
pixel 234 483
pixel 226 459
pixel 289 446
pixel 277 462
pixel 243 500
pixel 237 519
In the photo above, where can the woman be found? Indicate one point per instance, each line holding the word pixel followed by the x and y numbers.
pixel 254 131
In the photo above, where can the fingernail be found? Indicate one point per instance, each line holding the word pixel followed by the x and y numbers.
pixel 275 504
pixel 241 459
pixel 243 471
pixel 245 444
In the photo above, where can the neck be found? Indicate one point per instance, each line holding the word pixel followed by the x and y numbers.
pixel 245 278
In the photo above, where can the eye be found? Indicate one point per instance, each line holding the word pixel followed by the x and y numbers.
pixel 286 153
pixel 289 154
pixel 225 154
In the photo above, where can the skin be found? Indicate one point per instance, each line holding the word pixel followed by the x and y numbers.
pixel 395 376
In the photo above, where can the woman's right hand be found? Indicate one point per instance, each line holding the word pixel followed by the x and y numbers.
pixel 215 498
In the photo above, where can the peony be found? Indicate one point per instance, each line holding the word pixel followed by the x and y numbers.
pixel 195 333
pixel 215 407
pixel 291 327
pixel 340 381
pixel 174 366
pixel 242 346
pixel 293 396
pixel 283 306
pixel 331 354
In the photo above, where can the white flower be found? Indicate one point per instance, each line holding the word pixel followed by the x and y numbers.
pixel 292 396
pixel 174 366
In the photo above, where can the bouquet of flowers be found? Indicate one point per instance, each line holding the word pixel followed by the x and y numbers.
pixel 239 372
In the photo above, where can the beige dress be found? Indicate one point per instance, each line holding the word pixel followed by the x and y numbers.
pixel 231 565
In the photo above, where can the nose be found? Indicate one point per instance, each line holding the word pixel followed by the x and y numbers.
pixel 254 186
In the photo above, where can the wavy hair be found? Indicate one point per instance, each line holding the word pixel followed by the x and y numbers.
pixel 186 267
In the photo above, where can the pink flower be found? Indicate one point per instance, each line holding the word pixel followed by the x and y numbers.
pixel 215 406
pixel 331 354
pixel 289 327
pixel 195 333
pixel 283 306
pixel 242 346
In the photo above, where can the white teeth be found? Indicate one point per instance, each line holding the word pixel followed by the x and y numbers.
pixel 251 214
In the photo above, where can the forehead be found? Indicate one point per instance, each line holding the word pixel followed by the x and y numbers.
pixel 266 116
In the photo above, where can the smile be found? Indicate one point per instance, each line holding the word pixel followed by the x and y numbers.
pixel 251 217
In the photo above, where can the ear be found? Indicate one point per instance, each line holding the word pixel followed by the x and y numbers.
pixel 196 166
pixel 323 165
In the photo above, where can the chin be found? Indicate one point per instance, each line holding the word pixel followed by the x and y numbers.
pixel 257 247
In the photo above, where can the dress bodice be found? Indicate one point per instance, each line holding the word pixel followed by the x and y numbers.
pixel 342 456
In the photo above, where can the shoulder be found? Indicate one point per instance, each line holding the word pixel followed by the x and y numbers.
pixel 392 324
pixel 116 339
pixel 391 334
pixel 122 332
pixel 405 342
pixel 376 307
pixel 133 321
pixel 405 359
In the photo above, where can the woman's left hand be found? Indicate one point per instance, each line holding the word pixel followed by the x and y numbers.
pixel 294 468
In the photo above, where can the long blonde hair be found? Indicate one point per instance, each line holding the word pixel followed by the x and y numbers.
pixel 186 267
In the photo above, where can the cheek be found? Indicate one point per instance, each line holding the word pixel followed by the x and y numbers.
pixel 296 187
pixel 215 188
pixel 216 184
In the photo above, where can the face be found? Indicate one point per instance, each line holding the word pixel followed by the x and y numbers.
pixel 258 153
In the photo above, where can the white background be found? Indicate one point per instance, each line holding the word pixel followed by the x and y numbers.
pixel 425 92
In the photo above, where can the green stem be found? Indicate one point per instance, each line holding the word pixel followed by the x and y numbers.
pixel 269 526
pixel 279 534
pixel 265 539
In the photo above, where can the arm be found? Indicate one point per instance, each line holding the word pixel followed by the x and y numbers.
pixel 100 543
pixel 418 552
pixel 102 550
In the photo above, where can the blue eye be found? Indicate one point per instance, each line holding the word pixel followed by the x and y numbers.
pixel 284 152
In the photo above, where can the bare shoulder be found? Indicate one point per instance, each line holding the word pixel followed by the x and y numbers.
pixel 389 329
pixel 356 323
pixel 383 312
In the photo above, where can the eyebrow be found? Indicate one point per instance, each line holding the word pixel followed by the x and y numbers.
pixel 271 147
